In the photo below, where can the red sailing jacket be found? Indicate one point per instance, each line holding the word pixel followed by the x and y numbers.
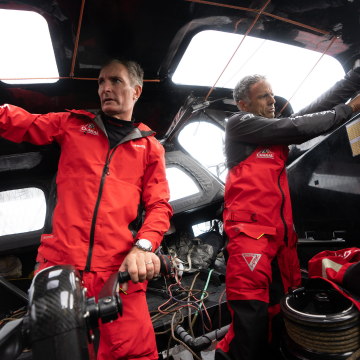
pixel 98 191
pixel 257 195
pixel 256 192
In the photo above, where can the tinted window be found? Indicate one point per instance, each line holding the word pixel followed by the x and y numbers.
pixel 22 210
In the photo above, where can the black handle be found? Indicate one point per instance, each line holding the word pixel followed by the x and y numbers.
pixel 109 301
pixel 165 270
pixel 123 276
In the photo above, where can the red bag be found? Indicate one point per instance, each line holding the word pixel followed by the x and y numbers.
pixel 341 267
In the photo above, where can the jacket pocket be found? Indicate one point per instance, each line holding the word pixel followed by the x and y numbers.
pixel 252 230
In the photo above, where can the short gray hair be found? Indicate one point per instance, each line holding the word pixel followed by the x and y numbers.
pixel 242 88
pixel 136 73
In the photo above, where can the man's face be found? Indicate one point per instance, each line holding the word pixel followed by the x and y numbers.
pixel 117 96
pixel 262 100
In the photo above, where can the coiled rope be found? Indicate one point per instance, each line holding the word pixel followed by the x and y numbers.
pixel 331 342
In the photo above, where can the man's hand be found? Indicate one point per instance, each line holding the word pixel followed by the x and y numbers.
pixel 355 104
pixel 141 265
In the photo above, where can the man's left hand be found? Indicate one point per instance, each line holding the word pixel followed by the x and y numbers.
pixel 141 265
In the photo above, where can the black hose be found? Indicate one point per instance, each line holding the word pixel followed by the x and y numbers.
pixel 203 342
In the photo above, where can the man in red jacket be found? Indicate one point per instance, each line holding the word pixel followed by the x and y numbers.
pixel 109 169
pixel 257 215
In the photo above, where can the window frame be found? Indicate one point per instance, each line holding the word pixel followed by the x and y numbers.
pixel 15 241
pixel 191 176
pixel 210 121
pixel 54 31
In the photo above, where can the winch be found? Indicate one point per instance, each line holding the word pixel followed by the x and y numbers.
pixel 320 323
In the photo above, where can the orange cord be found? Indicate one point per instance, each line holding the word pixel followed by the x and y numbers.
pixel 67 77
pixel 332 41
pixel 252 25
pixel 77 39
pixel 236 25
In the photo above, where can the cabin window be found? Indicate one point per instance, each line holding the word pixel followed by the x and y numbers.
pixel 181 184
pixel 22 210
pixel 201 228
pixel 207 226
pixel 27 48
pixel 285 66
pixel 205 143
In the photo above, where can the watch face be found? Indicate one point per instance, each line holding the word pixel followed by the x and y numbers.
pixel 145 244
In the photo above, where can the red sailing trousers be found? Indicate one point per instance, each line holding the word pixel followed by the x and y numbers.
pixel 259 272
pixel 130 336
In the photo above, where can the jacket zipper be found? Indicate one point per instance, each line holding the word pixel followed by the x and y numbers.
pixel 93 222
pixel 101 188
pixel 282 207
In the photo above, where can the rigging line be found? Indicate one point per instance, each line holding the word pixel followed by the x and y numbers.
pixel 246 62
pixel 77 78
pixel 181 126
pixel 242 40
pixel 236 25
pixel 77 39
pixel 332 41
pixel 36 78
pixel 264 13
pixel 64 77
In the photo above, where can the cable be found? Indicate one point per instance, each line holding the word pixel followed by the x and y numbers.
pixel 62 78
pixel 182 343
pixel 264 13
pixel 77 39
pixel 220 308
pixel 202 297
pixel 189 310
pixel 193 304
pixel 334 38
pixel 246 62
pixel 242 40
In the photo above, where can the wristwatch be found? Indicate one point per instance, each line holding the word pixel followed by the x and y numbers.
pixel 144 244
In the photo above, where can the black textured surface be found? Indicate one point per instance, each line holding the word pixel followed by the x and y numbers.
pixel 55 302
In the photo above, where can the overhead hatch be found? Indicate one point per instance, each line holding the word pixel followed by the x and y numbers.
pixel 285 66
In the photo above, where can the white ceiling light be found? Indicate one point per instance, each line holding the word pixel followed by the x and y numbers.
pixel 284 65
pixel 27 48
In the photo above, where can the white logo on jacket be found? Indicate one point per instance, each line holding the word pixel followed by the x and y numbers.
pixel 251 260
pixel 140 146
pixel 265 154
pixel 89 129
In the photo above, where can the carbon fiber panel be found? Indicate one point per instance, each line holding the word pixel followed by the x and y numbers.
pixel 55 302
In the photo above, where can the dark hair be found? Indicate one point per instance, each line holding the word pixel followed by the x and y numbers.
pixel 242 88
pixel 136 73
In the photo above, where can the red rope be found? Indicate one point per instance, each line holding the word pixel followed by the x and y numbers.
pixel 332 41
pixel 77 39
pixel 252 25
